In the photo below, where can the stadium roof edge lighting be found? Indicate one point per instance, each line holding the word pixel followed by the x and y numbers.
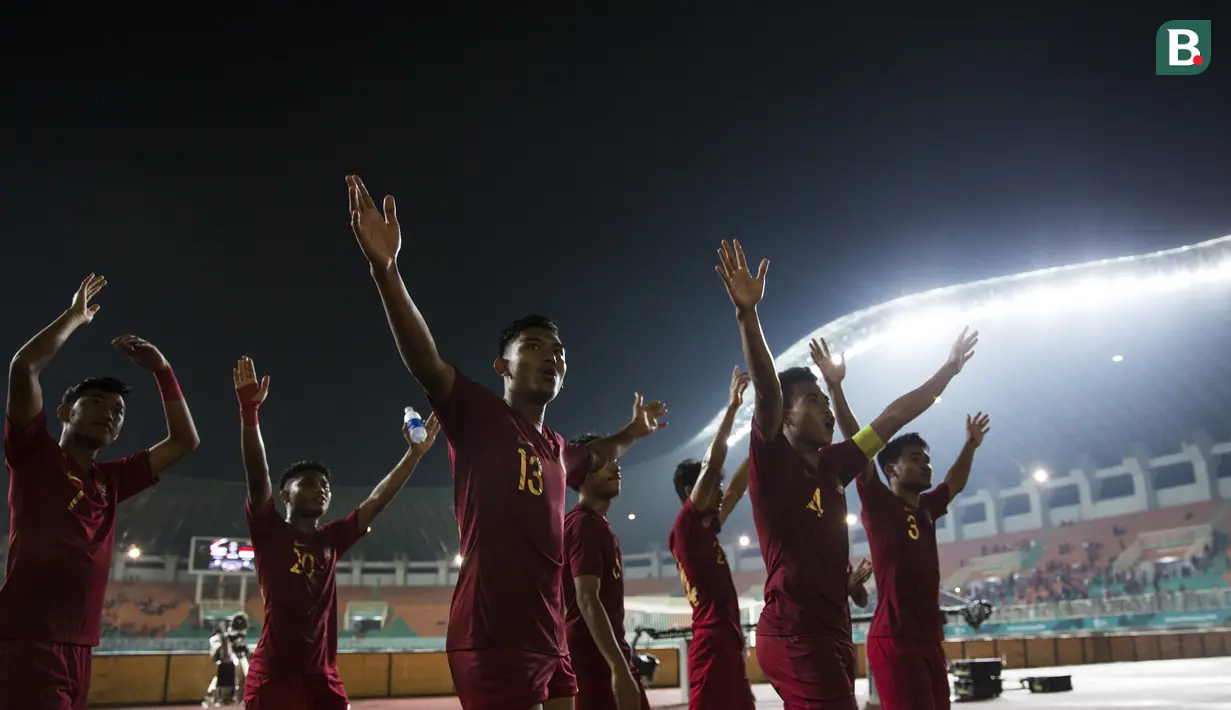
pixel 1117 281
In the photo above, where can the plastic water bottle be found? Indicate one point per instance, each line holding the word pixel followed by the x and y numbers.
pixel 414 422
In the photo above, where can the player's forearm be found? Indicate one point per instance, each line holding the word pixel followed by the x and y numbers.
pixel 767 389
pixel 909 406
pixel 42 348
pixel 181 430
pixel 600 630
pixel 385 491
pixel 715 457
pixel 611 447
pixel 735 491
pixel 411 334
pixel 959 472
pixel 182 438
pixel 256 467
pixel 847 423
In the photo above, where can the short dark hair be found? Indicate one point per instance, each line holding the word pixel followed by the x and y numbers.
pixel 686 474
pixel 893 450
pixel 790 377
pixel 521 325
pixel 583 440
pixel 299 468
pixel 110 385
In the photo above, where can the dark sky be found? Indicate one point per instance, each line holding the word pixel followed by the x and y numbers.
pixel 582 166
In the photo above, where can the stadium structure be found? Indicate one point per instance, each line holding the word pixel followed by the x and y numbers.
pixel 1101 499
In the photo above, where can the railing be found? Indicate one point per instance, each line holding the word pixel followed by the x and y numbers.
pixel 1200 600
pixel 674 613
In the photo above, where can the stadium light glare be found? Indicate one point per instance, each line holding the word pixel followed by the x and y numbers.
pixel 1040 475
pixel 851 520
pixel 744 541
pixel 134 552
pixel 457 560
pixel 632 516
pixel 1015 298
pixel 1117 358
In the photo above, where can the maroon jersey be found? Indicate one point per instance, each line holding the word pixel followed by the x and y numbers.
pixel 591 549
pixel 703 570
pixel 297 574
pixel 508 498
pixel 904 560
pixel 800 515
pixel 61 536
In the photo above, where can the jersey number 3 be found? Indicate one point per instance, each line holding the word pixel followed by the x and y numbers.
pixel 531 474
pixel 912 527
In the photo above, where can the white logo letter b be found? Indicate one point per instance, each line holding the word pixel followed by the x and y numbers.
pixel 1182 39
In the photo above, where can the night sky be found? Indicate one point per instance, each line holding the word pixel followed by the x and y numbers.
pixel 583 166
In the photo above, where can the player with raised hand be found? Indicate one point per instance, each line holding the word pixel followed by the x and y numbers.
pixel 796 480
pixel 905 642
pixel 905 650
pixel 295 663
pixel 63 504
pixel 506 635
pixel 716 671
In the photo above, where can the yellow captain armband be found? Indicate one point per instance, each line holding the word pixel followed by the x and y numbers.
pixel 868 442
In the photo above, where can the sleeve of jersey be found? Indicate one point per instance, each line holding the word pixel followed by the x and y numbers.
pixel 20 442
pixel 850 457
pixel 582 546
pixel 465 414
pixel 260 521
pixel 578 460
pixel 345 532
pixel 872 493
pixel 133 475
pixel 760 456
pixel 681 531
pixel 936 501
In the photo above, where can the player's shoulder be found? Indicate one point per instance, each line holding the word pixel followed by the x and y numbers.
pixel 576 516
pixel 472 392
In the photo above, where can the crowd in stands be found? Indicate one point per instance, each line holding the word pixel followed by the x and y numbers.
pixel 142 616
pixel 1092 574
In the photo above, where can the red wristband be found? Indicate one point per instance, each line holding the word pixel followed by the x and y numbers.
pixel 168 386
pixel 247 415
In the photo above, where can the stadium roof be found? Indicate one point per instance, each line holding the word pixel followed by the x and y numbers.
pixel 1044 367
pixel 1085 360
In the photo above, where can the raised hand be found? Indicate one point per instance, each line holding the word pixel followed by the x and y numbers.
pixel 81 300
pixel 859 575
pixel 739 383
pixel 833 369
pixel 140 351
pixel 963 349
pixel 378 234
pixel 248 391
pixel 744 289
pixel 647 417
pixel 977 427
pixel 432 425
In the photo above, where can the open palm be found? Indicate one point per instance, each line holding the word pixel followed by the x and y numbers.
pixel 88 290
pixel 250 391
pixel 744 289
pixel 379 235
pixel 977 427
pixel 833 369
